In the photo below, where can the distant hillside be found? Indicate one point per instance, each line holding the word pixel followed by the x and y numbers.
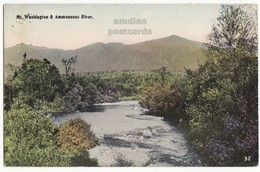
pixel 173 52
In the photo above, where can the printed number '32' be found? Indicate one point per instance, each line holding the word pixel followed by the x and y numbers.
pixel 247 158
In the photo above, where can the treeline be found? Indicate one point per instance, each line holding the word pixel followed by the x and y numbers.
pixel 36 89
pixel 218 103
pixel 30 137
pixel 39 84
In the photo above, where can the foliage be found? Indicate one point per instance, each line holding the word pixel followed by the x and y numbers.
pixel 39 84
pixel 123 85
pixel 107 93
pixel 75 136
pixel 58 105
pixel 218 102
pixel 82 159
pixel 221 96
pixel 73 98
pixel 23 124
pixel 162 100
pixel 67 64
pixel 39 157
pixel 29 139
pixel 89 88
pixel 235 29
pixel 34 80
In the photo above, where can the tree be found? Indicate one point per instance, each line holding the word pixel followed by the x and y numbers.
pixel 163 100
pixel 67 64
pixel 30 139
pixel 69 79
pixel 222 94
pixel 37 80
pixel 235 29
pixel 163 73
pixel 10 72
pixel 74 98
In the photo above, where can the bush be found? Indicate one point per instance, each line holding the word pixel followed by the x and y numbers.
pixel 75 136
pixel 107 92
pixel 222 107
pixel 58 105
pixel 38 157
pixel 222 95
pixel 29 139
pixel 23 125
pixel 82 159
pixel 73 98
pixel 162 100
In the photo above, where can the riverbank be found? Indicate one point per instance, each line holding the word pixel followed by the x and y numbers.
pixel 129 138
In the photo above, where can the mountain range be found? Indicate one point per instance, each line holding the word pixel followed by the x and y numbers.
pixel 173 52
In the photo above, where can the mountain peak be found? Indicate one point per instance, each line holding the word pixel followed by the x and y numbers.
pixel 115 43
pixel 28 45
pixel 173 52
pixel 23 44
pixel 175 37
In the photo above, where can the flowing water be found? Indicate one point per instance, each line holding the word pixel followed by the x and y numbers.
pixel 129 138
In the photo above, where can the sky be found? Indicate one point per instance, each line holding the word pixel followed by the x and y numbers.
pixel 192 22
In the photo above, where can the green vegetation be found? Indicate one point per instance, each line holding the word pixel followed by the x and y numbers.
pixel 89 88
pixel 163 100
pixel 35 80
pixel 217 103
pixel 30 138
pixel 220 99
pixel 222 94
pixel 36 88
pixel 39 84
pixel 75 136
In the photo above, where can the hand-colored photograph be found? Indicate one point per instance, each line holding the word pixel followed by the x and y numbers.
pixel 130 85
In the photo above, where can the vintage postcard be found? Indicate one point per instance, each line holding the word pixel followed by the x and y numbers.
pixel 130 85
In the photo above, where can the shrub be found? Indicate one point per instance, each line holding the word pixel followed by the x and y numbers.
pixel 82 159
pixel 75 136
pixel 107 92
pixel 29 139
pixel 23 125
pixel 162 100
pixel 222 95
pixel 22 155
pixel 73 98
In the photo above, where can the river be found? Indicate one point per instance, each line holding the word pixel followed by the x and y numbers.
pixel 129 138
